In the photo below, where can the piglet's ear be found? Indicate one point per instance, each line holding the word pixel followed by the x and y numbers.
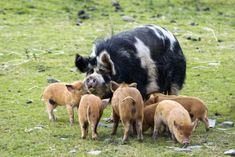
pixel 69 87
pixel 156 99
pixel 104 103
pixel 81 63
pixel 133 85
pixel 113 86
pixel 177 125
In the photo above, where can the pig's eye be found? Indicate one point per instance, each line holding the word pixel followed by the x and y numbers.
pixel 90 71
pixel 102 71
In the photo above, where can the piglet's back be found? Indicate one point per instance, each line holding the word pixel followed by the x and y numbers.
pixel 173 111
pixel 56 91
pixel 129 91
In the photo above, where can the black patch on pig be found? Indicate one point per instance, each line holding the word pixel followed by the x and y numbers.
pixel 85 125
pixel 52 102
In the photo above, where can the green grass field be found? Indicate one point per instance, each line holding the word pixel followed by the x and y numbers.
pixel 39 39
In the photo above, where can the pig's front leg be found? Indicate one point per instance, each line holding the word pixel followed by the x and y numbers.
pixel 71 115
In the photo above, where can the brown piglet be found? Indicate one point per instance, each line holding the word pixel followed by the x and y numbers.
pixel 149 112
pixel 62 94
pixel 176 118
pixel 195 106
pixel 128 105
pixel 90 111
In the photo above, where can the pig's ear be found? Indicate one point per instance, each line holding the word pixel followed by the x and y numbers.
pixel 82 63
pixel 113 86
pixel 194 124
pixel 155 99
pixel 69 87
pixel 133 85
pixel 104 103
pixel 107 63
pixel 177 125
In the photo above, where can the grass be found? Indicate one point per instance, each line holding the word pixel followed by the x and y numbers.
pixel 39 39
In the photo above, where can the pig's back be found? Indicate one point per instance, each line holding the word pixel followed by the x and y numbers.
pixel 89 104
pixel 180 115
pixel 135 94
pixel 56 92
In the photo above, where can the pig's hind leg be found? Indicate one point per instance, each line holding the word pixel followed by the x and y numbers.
pixel 84 129
pixel 94 129
pixel 126 124
pixel 139 130
pixel 116 119
pixel 157 125
pixel 51 105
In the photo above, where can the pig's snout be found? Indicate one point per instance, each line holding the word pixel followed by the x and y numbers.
pixel 91 82
pixel 185 143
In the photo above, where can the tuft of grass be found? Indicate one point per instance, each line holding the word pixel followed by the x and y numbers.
pixel 40 39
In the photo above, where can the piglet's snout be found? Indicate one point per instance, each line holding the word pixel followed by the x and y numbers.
pixel 185 143
pixel 91 82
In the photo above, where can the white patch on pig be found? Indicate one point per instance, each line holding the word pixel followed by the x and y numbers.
pixel 93 51
pixel 147 63
pixel 99 61
pixel 166 34
pixel 98 77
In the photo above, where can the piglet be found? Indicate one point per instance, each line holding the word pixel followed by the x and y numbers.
pixel 176 118
pixel 128 105
pixel 63 94
pixel 195 106
pixel 90 111
pixel 149 112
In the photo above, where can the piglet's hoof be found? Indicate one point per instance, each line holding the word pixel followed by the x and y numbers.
pixel 124 142
pixel 185 145
pixel 109 120
pixel 94 137
pixel 53 119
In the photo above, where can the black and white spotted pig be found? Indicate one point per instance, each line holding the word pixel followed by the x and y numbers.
pixel 148 55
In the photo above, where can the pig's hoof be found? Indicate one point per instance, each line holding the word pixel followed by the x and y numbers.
pixel 94 137
pixel 109 120
pixel 141 140
pixel 83 137
pixel 52 119
pixel 113 133
pixel 154 137
pixel 124 142
pixel 185 145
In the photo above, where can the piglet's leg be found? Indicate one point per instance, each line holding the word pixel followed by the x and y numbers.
pixel 116 119
pixel 139 130
pixel 84 129
pixel 94 133
pixel 206 122
pixel 126 125
pixel 157 125
pixel 50 107
pixel 70 112
pixel 173 138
